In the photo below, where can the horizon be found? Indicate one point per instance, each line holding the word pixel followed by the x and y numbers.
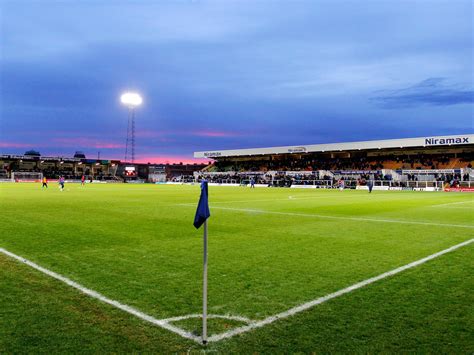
pixel 197 161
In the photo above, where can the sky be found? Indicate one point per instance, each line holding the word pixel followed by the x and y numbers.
pixel 231 74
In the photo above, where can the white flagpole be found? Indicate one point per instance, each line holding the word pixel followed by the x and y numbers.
pixel 204 289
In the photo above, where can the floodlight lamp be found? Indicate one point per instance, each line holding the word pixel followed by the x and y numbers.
pixel 131 99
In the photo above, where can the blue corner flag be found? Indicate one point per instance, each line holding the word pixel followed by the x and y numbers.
pixel 202 212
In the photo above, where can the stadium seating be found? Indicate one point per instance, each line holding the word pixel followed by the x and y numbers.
pixel 311 163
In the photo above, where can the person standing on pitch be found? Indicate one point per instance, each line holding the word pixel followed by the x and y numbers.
pixel 341 184
pixel 83 180
pixel 252 182
pixel 61 183
pixel 370 185
pixel 45 182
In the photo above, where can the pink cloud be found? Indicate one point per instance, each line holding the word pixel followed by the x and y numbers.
pixel 215 134
pixel 169 159
pixel 87 143
pixel 16 145
pixel 162 135
pixel 151 134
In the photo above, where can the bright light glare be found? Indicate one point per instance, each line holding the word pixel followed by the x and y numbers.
pixel 131 99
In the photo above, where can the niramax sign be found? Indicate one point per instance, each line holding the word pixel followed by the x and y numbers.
pixel 444 141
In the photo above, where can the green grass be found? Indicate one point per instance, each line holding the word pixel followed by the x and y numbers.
pixel 136 244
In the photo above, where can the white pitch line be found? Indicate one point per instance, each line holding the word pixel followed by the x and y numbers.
pixel 459 207
pixel 311 304
pixel 289 198
pixel 219 316
pixel 452 203
pixel 91 293
pixel 363 219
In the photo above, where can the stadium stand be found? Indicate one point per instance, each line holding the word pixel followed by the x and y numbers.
pixel 427 162
pixel 96 170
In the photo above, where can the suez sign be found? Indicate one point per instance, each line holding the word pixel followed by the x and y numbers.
pixel 212 154
pixel 297 150
pixel 441 141
pixel 290 150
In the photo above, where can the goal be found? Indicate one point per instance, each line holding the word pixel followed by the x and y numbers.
pixel 19 176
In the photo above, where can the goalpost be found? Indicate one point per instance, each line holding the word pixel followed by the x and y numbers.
pixel 20 176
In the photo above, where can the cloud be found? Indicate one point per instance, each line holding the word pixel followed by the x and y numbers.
pixel 86 143
pixel 169 159
pixel 432 91
pixel 60 32
pixel 14 145
pixel 215 134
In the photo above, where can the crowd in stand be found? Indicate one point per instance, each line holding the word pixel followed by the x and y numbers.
pixel 441 177
pixel 283 179
pixel 311 162
pixel 350 178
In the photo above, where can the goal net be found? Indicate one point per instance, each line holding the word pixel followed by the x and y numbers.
pixel 19 176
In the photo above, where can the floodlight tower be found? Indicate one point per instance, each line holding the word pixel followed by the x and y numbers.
pixel 131 100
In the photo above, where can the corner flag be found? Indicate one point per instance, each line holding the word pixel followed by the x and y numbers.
pixel 202 212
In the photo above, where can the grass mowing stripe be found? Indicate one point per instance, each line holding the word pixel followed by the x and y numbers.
pixel 320 300
pixel 345 218
pixel 100 297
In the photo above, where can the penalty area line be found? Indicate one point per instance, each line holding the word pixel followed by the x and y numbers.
pixel 91 293
pixel 313 303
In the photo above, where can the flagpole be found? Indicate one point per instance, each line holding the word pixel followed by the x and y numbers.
pixel 204 288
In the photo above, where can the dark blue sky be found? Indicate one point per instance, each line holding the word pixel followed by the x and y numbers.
pixel 231 74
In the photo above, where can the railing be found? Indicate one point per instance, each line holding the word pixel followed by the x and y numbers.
pixel 319 183
pixel 348 184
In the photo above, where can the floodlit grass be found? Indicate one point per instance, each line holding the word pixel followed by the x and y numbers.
pixel 269 250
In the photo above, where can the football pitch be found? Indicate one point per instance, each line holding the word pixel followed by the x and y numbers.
pixel 118 268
